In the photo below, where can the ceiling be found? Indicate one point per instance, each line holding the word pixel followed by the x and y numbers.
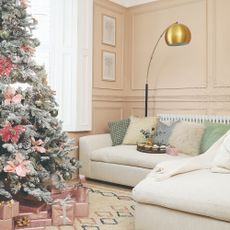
pixel 129 3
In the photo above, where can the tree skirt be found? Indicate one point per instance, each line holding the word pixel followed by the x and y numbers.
pixel 110 209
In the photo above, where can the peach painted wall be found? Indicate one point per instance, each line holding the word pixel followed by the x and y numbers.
pixel 187 79
pixel 108 96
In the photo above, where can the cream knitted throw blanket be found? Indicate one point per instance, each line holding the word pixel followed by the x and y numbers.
pixel 216 158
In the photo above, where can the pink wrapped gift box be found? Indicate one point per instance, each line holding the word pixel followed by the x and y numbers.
pixel 60 194
pixel 40 223
pixel 63 212
pixel 33 228
pixel 81 197
pixel 6 224
pixel 80 194
pixel 9 209
pixel 82 179
pixel 35 216
pixel 32 207
pixel 25 221
pixel 81 209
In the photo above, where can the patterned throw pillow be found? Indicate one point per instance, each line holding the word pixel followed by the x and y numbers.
pixel 211 134
pixel 163 133
pixel 118 130
pixel 133 134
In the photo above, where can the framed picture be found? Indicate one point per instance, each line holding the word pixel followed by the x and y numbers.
pixel 108 66
pixel 109 30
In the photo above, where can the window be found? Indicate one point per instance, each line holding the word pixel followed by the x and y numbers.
pixel 65 32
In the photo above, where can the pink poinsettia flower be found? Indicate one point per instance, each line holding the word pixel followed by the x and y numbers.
pixel 11 96
pixel 5 66
pixel 11 133
pixel 37 145
pixel 18 166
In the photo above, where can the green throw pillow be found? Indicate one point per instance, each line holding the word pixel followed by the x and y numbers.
pixel 212 133
pixel 118 130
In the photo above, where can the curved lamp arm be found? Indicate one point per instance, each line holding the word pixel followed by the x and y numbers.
pixel 175 35
pixel 147 75
pixel 153 52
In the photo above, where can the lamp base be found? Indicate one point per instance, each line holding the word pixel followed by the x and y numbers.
pixel 146 99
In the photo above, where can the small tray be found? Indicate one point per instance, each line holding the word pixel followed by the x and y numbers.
pixel 149 149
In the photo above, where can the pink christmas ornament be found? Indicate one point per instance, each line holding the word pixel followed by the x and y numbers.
pixel 37 145
pixel 11 133
pixel 5 66
pixel 18 166
pixel 11 96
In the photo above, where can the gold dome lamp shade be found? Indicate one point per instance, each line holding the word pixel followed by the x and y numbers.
pixel 176 34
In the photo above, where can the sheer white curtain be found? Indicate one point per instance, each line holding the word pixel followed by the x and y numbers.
pixel 41 11
pixel 65 33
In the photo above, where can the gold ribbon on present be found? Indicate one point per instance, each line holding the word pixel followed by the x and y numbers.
pixel 8 203
pixel 63 203
pixel 22 221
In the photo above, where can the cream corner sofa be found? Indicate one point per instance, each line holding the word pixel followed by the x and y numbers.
pixel 196 200
pixel 121 164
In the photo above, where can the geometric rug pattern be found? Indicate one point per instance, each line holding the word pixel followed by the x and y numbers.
pixel 110 209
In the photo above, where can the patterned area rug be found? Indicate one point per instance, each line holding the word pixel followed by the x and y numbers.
pixel 111 208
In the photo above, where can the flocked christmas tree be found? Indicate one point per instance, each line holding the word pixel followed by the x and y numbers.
pixel 33 148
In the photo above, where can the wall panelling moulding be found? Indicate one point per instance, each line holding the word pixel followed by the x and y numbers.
pixel 117 12
pixel 104 114
pixel 221 45
pixel 170 62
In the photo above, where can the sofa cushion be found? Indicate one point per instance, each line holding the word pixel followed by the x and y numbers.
pixel 186 137
pixel 133 134
pixel 211 134
pixel 128 155
pixel 118 130
pixel 162 133
pixel 199 192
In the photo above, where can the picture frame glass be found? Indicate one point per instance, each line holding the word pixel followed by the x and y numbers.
pixel 109 66
pixel 109 30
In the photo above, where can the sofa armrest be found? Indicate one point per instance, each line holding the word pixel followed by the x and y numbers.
pixel 87 145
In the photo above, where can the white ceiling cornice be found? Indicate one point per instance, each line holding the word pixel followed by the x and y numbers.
pixel 130 3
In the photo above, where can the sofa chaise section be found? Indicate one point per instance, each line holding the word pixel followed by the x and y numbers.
pixel 196 200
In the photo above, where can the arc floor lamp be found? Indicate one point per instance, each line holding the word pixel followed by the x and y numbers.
pixel 175 35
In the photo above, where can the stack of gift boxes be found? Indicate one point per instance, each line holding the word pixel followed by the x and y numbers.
pixel 8 210
pixel 68 205
pixel 26 215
